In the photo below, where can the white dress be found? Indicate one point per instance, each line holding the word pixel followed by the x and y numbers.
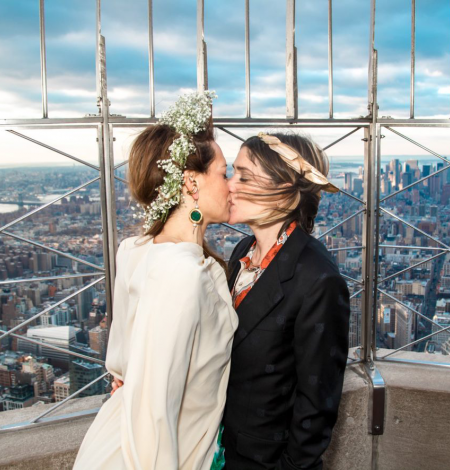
pixel 170 342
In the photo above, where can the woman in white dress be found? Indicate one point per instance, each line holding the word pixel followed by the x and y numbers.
pixel 173 326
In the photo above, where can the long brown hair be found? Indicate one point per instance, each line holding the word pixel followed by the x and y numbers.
pixel 145 176
pixel 290 196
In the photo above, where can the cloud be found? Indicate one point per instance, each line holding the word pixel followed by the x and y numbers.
pixel 70 28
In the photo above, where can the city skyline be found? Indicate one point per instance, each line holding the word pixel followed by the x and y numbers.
pixel 74 226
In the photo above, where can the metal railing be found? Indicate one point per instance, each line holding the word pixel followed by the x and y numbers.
pixel 371 202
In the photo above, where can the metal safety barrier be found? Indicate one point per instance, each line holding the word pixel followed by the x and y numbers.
pixel 370 205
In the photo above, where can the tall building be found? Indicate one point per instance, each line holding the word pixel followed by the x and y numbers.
pixel 19 396
pixel 358 186
pixel 395 169
pixel 355 322
pixel 81 374
pixel 62 387
pixel 406 180
pixel 426 170
pixel 385 322
pixel 61 336
pixel 443 319
pixel 403 326
pixel 98 340
pixel 85 299
pixel 411 165
pixel 348 182
pixel 445 348
pixel 59 316
pixel 42 373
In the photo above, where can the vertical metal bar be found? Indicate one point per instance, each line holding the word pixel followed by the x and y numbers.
pixel 202 69
pixel 151 59
pixel 413 57
pixel 370 149
pixel 291 63
pixel 247 58
pixel 376 243
pixel 366 253
pixel 107 188
pixel 97 52
pixel 330 56
pixel 371 48
pixel 43 60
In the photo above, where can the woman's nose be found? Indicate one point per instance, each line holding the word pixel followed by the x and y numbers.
pixel 230 183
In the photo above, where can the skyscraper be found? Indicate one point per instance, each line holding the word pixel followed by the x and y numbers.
pixel 98 339
pixel 403 326
pixel 443 319
pixel 82 373
pixel 61 336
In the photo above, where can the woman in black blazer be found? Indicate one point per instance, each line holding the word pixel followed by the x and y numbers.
pixel 290 349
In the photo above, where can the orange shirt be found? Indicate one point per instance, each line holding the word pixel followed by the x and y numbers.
pixel 248 275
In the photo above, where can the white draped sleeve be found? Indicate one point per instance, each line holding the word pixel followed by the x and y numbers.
pixel 165 324
pixel 114 352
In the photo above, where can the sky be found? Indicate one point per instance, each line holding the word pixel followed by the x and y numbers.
pixel 70 42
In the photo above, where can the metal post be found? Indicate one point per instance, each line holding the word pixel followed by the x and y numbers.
pixel 370 149
pixel 202 67
pixel 413 56
pixel 371 49
pixel 291 63
pixel 330 57
pixel 97 59
pixel 43 60
pixel 151 60
pixel 376 240
pixel 247 58
pixel 107 188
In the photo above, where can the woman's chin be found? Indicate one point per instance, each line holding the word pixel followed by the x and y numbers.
pixel 224 220
pixel 233 220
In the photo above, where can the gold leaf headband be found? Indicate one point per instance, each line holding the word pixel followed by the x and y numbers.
pixel 297 162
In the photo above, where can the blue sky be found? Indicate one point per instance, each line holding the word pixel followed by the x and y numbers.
pixel 70 27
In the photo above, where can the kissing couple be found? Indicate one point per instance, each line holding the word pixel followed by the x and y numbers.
pixel 237 366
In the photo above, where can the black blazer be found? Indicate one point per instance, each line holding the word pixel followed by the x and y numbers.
pixel 288 359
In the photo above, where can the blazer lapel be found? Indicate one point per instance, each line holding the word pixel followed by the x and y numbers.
pixel 234 264
pixel 267 291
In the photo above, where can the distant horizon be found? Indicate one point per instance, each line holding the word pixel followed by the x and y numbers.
pixel 338 159
pixel 341 159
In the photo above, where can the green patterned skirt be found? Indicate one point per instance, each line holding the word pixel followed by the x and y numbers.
pixel 219 456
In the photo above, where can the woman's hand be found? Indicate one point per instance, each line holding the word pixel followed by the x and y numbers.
pixel 115 384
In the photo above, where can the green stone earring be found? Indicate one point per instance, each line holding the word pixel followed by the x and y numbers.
pixel 195 216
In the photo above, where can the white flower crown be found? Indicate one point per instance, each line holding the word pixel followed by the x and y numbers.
pixel 188 116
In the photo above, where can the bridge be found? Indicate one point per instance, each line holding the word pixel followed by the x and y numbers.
pixel 22 203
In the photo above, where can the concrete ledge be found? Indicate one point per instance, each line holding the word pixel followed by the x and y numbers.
pixel 49 446
pixel 416 433
pixel 351 444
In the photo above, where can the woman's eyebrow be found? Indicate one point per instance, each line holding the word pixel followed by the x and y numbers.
pixel 240 168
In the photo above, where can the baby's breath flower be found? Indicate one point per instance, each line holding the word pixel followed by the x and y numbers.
pixel 188 116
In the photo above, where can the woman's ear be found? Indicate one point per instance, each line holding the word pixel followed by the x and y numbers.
pixel 191 184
